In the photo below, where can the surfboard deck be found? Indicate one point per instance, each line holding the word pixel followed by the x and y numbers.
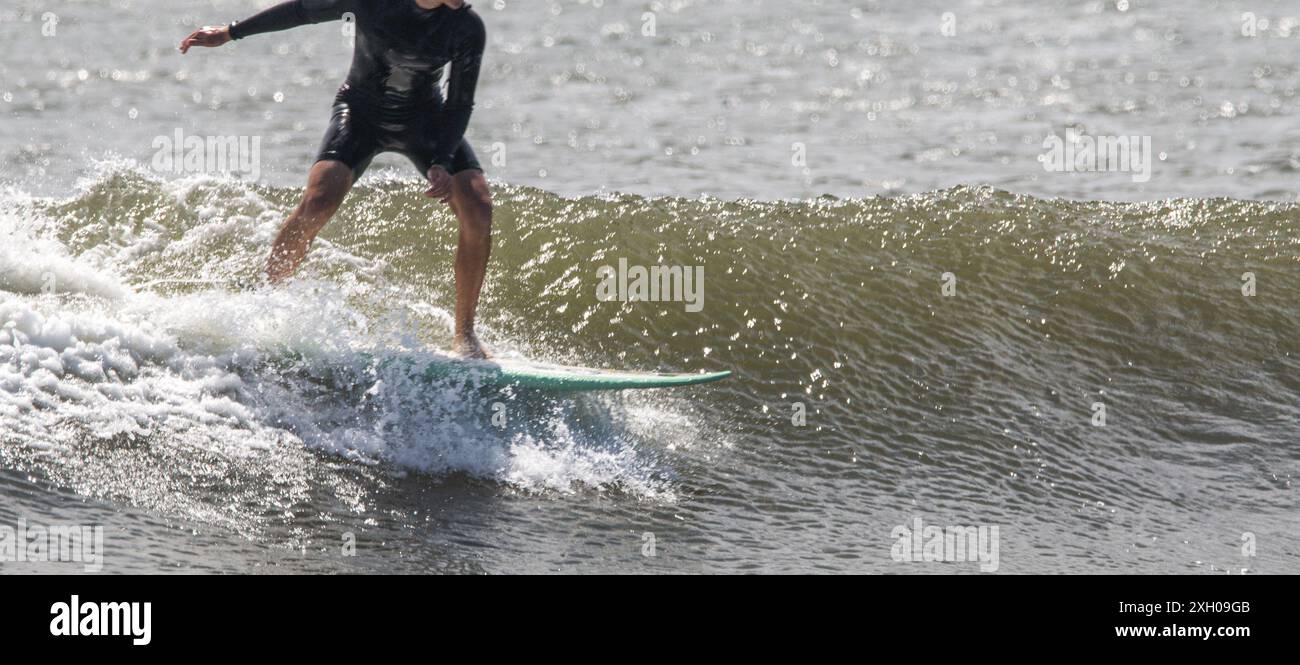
pixel 544 376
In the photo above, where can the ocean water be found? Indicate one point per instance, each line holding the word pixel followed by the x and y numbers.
pixel 922 321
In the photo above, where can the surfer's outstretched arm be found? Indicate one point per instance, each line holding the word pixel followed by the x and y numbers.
pixel 283 16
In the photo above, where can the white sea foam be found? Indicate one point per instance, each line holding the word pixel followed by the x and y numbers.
pixel 96 358
pixel 30 266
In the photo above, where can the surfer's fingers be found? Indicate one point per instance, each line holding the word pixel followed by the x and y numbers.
pixel 439 180
pixel 439 186
pixel 201 38
pixel 189 41
pixel 209 37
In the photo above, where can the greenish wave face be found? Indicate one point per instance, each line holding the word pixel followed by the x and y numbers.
pixel 1081 366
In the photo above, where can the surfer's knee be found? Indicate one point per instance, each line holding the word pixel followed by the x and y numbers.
pixel 472 199
pixel 327 185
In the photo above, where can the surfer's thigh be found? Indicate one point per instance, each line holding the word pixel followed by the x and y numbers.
pixel 327 185
pixel 351 138
pixel 414 144
pixel 470 195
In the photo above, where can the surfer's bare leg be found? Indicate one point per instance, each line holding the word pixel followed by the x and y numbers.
pixel 327 186
pixel 472 203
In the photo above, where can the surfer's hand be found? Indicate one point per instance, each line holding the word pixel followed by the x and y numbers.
pixel 439 184
pixel 206 37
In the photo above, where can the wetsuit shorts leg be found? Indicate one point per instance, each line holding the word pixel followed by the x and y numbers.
pixel 357 133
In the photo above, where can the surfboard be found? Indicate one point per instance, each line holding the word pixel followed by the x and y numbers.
pixel 543 376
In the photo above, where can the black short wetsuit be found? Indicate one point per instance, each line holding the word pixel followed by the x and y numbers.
pixel 391 100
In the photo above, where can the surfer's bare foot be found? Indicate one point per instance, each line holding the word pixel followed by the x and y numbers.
pixel 468 346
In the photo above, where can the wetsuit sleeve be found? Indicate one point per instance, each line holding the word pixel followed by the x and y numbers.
pixel 461 84
pixel 290 14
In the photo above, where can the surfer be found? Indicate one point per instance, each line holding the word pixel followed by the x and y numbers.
pixel 391 102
